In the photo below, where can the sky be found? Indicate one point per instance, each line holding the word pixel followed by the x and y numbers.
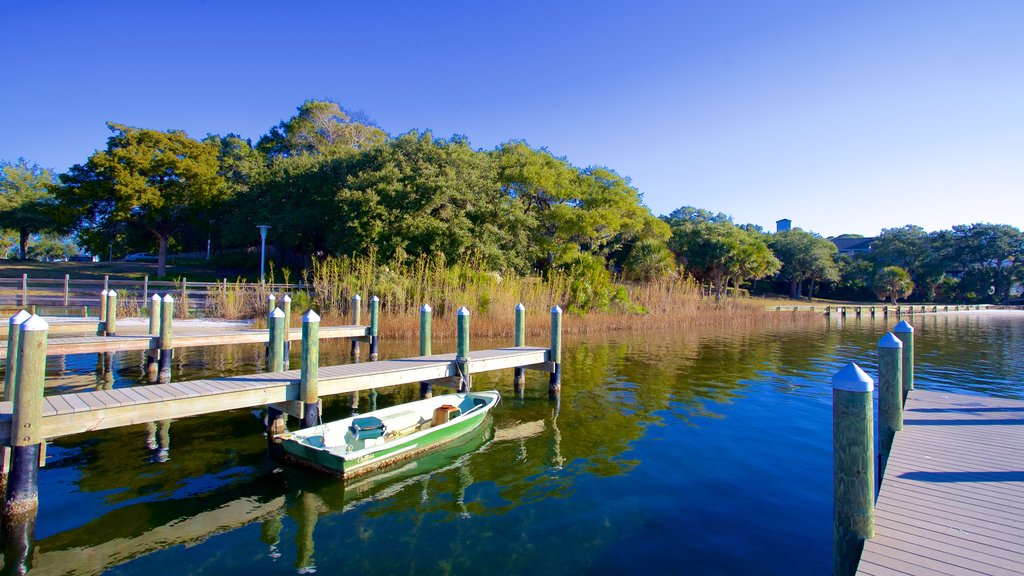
pixel 845 117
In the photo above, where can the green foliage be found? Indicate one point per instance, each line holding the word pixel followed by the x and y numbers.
pixel 590 284
pixel 649 260
pixel 805 256
pixel 320 128
pixel 892 283
pixel 156 181
pixel 26 201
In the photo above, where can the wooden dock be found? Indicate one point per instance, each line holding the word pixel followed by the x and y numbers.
pixel 99 344
pixel 66 414
pixel 952 499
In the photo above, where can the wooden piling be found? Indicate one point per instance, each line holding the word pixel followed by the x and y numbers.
pixel 357 302
pixel 13 339
pixel 286 307
pixel 853 472
pixel 24 290
pixel 275 360
pixel 271 305
pixel 905 332
pixel 426 388
pixel 67 282
pixel 166 337
pixel 145 288
pixel 101 327
pixel 374 326
pixel 462 350
pixel 890 396
pixel 153 354
pixel 111 326
pixel 310 370
pixel 555 381
pixel 519 376
pixel 22 498
pixel 106 282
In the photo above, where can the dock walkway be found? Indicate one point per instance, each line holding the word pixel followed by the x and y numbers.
pixel 66 414
pixel 952 500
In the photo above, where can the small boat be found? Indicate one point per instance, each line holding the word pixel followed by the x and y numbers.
pixel 367 442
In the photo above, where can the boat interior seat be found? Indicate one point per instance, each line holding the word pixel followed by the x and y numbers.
pixel 468 403
pixel 367 427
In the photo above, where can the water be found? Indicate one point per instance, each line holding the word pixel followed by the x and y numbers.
pixel 700 453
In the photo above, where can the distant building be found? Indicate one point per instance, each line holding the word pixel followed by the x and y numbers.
pixel 853 246
pixel 783 225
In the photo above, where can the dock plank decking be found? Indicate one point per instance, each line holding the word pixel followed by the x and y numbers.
pixel 95 344
pixel 952 500
pixel 96 410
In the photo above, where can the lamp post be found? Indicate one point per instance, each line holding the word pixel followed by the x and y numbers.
pixel 263 246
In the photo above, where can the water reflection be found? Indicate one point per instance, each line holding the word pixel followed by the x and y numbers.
pixel 695 448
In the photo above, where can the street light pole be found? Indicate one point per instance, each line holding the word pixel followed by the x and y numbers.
pixel 263 246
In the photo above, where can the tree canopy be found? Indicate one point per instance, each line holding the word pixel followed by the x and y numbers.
pixel 26 202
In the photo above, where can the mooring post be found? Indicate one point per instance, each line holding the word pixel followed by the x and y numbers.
pixel 13 338
pixel 111 313
pixel 271 304
pixel 67 283
pixel 555 381
pixel 24 290
pixel 853 467
pixel 890 396
pixel 519 377
pixel 101 327
pixel 152 354
pixel 22 497
pixel 286 303
pixel 309 373
pixel 905 332
pixel 106 282
pixel 145 288
pixel 462 350
pixel 166 337
pixel 426 388
pixel 885 311
pixel 357 302
pixel 374 326
pixel 275 361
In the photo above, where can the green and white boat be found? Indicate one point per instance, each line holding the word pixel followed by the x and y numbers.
pixel 367 442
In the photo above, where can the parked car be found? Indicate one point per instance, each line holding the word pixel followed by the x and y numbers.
pixel 79 258
pixel 140 257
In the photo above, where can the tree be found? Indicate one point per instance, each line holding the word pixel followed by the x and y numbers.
pixel 998 249
pixel 320 128
pixel 159 181
pixel 804 256
pixel 26 202
pixel 649 260
pixel 893 282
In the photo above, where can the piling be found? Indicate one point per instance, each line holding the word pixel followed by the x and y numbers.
pixel 111 313
pixel 13 338
pixel 905 332
pixel 106 281
pixel 166 337
pixel 357 302
pixel 519 377
pixel 426 388
pixel 271 304
pixel 275 360
pixel 462 350
pixel 67 282
pixel 374 326
pixel 890 396
pixel 309 373
pixel 286 306
pixel 853 472
pixel 555 381
pixel 101 328
pixel 152 370
pixel 22 498
pixel 145 288
pixel 24 290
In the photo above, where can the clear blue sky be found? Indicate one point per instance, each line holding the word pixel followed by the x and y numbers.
pixel 842 116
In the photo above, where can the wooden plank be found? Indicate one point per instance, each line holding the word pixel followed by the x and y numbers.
pixel 77 404
pixel 952 501
pixel 134 394
pixel 59 405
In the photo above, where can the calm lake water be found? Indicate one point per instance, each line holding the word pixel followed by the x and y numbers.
pixel 688 452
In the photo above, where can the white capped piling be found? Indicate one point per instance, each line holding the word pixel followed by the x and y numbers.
pixel 111 313
pixel 555 381
pixel 286 306
pixel 309 373
pixel 462 350
pixel 275 361
pixel 24 290
pixel 374 326
pixel 426 388
pixel 166 337
pixel 67 283
pixel 519 377
pixel 101 327
pixel 357 303
pixel 106 281
pixel 13 338
pixel 890 396
pixel 152 369
pixel 22 498
pixel 271 304
pixel 145 288
pixel 905 332
pixel 853 470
